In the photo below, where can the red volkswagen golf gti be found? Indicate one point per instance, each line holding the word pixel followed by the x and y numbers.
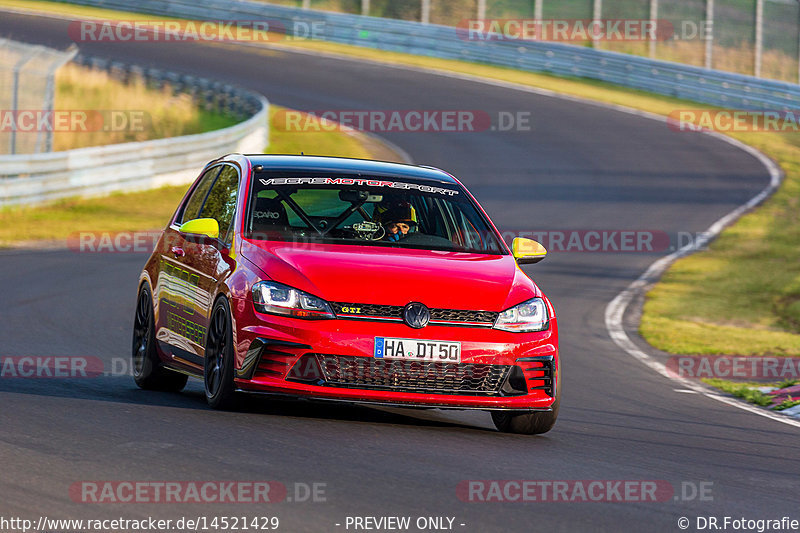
pixel 351 280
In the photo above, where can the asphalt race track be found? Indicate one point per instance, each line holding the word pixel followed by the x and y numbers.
pixel 580 167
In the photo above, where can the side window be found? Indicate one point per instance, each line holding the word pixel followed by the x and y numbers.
pixel 195 201
pixel 221 202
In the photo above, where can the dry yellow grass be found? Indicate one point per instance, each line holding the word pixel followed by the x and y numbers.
pixel 119 112
pixel 775 64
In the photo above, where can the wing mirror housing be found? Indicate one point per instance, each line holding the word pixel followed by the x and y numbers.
pixel 527 251
pixel 207 227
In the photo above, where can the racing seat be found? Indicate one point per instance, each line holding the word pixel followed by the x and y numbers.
pixel 269 216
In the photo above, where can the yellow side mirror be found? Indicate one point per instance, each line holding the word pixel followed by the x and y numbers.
pixel 527 251
pixel 201 226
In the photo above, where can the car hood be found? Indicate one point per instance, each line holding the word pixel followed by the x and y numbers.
pixel 393 276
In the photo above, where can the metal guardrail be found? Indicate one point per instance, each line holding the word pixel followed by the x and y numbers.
pixel 662 77
pixel 35 178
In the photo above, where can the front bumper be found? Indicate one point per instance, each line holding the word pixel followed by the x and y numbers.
pixel 273 353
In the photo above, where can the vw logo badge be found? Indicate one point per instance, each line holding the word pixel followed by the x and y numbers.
pixel 416 315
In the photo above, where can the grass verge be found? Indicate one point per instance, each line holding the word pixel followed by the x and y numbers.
pixel 147 113
pixel 742 295
pixel 149 210
pixel 745 391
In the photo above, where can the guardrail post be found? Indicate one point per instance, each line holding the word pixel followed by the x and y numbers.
pixel 759 38
pixel 537 9
pixel 481 9
pixel 709 34
pixel 15 97
pixel 654 21
pixel 425 15
pixel 50 97
pixel 597 15
pixel 306 4
pixel 365 7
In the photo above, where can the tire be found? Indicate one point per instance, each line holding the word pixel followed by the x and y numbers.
pixel 148 373
pixel 219 359
pixel 534 423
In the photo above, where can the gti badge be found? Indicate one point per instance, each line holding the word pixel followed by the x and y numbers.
pixel 416 315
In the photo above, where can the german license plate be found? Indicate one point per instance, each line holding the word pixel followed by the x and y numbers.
pixel 417 350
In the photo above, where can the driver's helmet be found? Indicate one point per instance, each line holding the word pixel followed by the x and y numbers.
pixel 397 218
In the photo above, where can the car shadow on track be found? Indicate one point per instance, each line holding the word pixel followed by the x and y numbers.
pixel 122 390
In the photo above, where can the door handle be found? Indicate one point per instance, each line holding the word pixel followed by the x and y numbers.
pixel 178 252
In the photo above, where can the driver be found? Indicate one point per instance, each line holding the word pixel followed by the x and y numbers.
pixel 398 220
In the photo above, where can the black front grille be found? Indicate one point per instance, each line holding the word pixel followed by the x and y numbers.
pixel 456 315
pixel 400 375
pixel 396 312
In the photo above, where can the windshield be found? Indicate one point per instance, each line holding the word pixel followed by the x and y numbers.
pixel 373 211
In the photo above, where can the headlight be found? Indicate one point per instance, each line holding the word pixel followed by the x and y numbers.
pixel 527 316
pixel 280 299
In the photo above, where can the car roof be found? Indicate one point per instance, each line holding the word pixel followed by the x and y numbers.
pixel 348 165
